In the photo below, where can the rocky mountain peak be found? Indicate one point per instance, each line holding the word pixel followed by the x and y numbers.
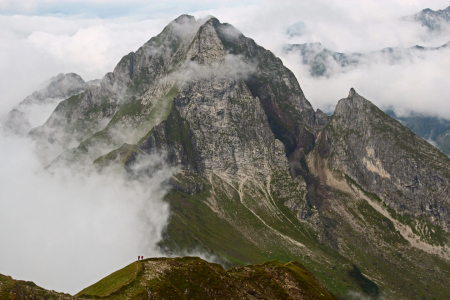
pixel 433 20
pixel 207 48
pixel 354 111
pixel 352 92
pixel 392 162
pixel 60 86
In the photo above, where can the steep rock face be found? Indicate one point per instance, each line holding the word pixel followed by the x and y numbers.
pixel 226 128
pixel 387 159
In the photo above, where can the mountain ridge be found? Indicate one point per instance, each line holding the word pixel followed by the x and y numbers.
pixel 187 278
pixel 323 62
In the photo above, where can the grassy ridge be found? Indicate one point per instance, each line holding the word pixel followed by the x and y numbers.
pixel 113 282
pixel 194 278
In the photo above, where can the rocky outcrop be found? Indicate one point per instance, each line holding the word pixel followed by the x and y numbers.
pixel 11 289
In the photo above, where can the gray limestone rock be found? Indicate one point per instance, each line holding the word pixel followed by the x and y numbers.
pixel 387 159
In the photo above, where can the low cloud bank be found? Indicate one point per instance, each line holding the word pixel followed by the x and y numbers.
pixel 68 229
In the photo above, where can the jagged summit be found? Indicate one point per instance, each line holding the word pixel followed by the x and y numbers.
pixel 352 92
pixel 186 51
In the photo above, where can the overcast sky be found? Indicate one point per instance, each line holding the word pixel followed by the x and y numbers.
pixel 39 39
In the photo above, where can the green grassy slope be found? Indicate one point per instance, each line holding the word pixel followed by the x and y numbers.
pixel 194 278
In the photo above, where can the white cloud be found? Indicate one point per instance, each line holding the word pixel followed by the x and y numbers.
pixel 67 230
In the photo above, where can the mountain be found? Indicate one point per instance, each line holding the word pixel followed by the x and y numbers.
pixel 434 20
pixel 356 197
pixel 187 278
pixel 58 88
pixel 324 62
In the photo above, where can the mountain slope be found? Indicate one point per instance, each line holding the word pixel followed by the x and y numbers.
pixel 433 129
pixel 357 198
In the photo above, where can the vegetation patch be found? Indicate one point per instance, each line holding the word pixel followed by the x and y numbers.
pixel 367 286
pixel 113 282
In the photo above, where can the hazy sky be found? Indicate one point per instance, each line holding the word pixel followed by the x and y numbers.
pixel 66 231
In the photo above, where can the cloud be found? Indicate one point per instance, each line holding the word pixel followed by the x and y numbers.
pixel 67 230
pixel 231 66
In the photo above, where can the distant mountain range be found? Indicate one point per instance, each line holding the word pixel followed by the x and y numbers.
pixel 324 62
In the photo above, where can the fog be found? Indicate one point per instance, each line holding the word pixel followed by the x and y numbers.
pixel 67 229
